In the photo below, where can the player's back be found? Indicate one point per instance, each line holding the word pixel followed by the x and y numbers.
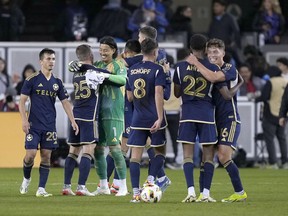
pixel 86 99
pixel 143 77
pixel 195 90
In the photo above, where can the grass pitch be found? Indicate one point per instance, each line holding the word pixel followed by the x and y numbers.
pixel 267 195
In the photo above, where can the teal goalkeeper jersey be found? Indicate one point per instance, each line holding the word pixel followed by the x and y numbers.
pixel 112 97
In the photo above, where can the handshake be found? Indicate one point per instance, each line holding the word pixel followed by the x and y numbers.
pixel 94 78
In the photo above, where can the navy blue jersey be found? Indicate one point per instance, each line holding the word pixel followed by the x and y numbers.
pixel 196 92
pixel 161 59
pixel 86 99
pixel 142 78
pixel 226 109
pixel 43 93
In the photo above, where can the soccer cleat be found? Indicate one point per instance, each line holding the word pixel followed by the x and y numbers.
pixel 42 193
pixel 164 184
pixel 136 199
pixel 201 198
pixel 83 191
pixel 102 191
pixel 68 192
pixel 122 191
pixel 189 199
pixel 235 198
pixel 24 186
pixel 114 189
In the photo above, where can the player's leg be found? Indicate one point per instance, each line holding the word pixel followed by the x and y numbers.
pixel 136 155
pixel 28 163
pixel 84 169
pixel 208 139
pixel 31 144
pixel 187 135
pixel 101 169
pixel 136 141
pixel 114 130
pixel 44 170
pixel 227 144
pixel 70 164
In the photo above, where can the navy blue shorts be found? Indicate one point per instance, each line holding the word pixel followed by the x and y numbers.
pixel 229 132
pixel 88 133
pixel 138 138
pixel 188 132
pixel 46 139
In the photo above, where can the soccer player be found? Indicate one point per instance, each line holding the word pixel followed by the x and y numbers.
pixel 197 116
pixel 42 88
pixel 85 111
pixel 132 48
pixel 227 116
pixel 147 81
pixel 111 116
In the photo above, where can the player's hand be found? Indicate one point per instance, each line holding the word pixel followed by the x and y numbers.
pixel 166 67
pixel 75 127
pixel 282 122
pixel 26 126
pixel 74 66
pixel 191 59
pixel 156 126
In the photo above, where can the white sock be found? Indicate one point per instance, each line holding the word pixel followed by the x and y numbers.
pixel 103 183
pixel 206 192
pixel 122 184
pixel 191 191
pixel 116 182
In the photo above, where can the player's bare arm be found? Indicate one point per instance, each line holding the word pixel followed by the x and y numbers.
pixel 208 74
pixel 159 101
pixel 68 109
pixel 22 110
pixel 228 94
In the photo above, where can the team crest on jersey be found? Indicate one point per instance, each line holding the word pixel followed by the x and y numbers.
pixel 29 137
pixel 55 87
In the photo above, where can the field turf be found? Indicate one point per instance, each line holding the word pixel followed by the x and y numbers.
pixel 267 195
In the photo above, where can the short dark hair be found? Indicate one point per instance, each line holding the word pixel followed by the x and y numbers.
pixel 182 54
pixel 45 51
pixel 283 60
pixel 198 42
pixel 133 45
pixel 83 52
pixel 215 42
pixel 149 32
pixel 222 2
pixel 148 45
pixel 108 40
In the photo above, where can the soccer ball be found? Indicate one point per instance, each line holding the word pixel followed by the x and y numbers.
pixel 151 193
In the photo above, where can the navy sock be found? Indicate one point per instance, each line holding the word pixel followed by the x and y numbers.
pixel 135 174
pixel 43 173
pixel 116 175
pixel 70 164
pixel 201 177
pixel 188 168
pixel 233 172
pixel 27 169
pixel 151 155
pixel 110 166
pixel 156 165
pixel 84 169
pixel 208 175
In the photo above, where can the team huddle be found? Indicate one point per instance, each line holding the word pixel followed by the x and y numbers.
pixel 133 87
